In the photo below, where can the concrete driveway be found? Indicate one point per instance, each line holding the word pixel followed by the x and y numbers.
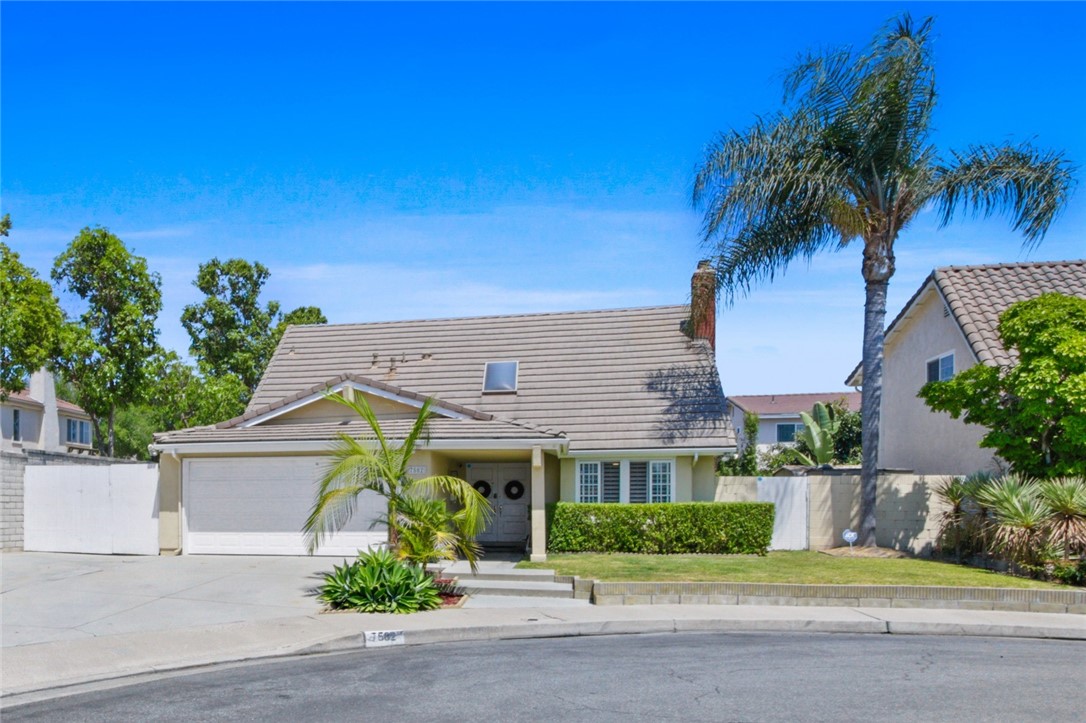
pixel 49 597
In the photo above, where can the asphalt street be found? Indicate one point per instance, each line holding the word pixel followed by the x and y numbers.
pixel 692 677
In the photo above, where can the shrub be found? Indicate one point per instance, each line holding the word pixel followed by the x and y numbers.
pixel 377 582
pixel 662 529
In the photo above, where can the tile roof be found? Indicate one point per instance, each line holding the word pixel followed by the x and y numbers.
pixel 440 429
pixel 617 379
pixel 792 403
pixel 977 295
pixel 23 396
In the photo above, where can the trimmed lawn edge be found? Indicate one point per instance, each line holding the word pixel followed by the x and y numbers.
pixel 886 596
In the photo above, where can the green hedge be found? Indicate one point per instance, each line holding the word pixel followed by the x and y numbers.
pixel 661 529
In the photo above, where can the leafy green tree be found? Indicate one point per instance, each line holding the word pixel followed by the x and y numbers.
pixel 378 464
pixel 178 397
pixel 106 353
pixel 744 464
pixel 30 319
pixel 231 331
pixel 848 441
pixel 297 317
pixel 1035 410
pixel 850 158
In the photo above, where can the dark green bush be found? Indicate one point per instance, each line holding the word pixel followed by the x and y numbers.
pixel 379 583
pixel 1070 573
pixel 662 529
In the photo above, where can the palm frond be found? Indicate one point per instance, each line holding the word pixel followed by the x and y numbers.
pixel 476 510
pixel 1029 184
pixel 362 408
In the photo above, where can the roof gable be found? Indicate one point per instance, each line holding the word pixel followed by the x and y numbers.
pixel 354 382
pixel 976 296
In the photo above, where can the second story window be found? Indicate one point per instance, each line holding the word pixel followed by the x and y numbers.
pixel 941 368
pixel 787 431
pixel 78 432
pixel 16 425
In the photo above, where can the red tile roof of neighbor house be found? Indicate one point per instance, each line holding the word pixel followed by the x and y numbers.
pixel 23 396
pixel 977 295
pixel 792 403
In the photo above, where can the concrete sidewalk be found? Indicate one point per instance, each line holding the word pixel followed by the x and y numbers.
pixel 72 620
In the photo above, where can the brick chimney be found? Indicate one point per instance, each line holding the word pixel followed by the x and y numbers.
pixel 703 303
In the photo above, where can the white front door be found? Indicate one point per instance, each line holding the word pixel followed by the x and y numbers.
pixel 507 487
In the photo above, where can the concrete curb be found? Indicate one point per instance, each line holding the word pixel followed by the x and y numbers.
pixel 132 671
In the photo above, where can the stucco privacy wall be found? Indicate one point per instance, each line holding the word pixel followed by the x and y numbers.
pixel 907 511
pixel 12 486
pixel 912 436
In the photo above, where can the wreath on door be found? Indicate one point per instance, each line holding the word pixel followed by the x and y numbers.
pixel 482 487
pixel 514 490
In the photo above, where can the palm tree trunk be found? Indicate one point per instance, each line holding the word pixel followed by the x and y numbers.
pixel 871 403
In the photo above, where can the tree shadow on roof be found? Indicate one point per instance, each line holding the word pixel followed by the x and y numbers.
pixel 695 403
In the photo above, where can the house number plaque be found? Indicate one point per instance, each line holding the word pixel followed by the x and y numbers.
pixel 383 638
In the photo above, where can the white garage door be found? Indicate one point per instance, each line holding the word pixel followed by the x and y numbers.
pixel 257 506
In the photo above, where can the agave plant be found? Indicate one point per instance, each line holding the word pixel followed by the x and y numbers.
pixel 1066 523
pixel 379 583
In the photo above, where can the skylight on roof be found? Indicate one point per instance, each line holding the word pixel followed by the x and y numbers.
pixel 500 376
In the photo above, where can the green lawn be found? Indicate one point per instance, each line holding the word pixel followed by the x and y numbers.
pixel 789 567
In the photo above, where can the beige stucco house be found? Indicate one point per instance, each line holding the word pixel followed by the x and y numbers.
pixel 614 406
pixel 778 414
pixel 949 325
pixel 34 419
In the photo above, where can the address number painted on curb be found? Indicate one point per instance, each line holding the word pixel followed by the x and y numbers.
pixel 381 638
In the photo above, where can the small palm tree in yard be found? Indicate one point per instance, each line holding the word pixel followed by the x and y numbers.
pixel 428 532
pixel 851 159
pixel 377 464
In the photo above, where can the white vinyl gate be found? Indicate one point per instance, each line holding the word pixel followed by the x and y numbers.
pixel 105 509
pixel 789 496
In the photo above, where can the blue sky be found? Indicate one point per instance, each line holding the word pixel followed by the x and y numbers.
pixel 397 161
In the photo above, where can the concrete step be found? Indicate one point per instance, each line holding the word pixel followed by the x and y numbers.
pixel 511 575
pixel 516 588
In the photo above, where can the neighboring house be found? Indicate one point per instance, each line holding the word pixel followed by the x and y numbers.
pixel 34 419
pixel 611 406
pixel 949 325
pixel 778 414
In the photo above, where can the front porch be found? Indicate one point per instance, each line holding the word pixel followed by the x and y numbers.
pixel 518 483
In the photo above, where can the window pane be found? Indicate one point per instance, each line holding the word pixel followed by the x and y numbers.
pixel 588 474
pixel 16 425
pixel 661 481
pixel 73 432
pixel 639 482
pixel 946 367
pixel 611 481
pixel 933 370
pixel 500 377
pixel 84 433
pixel 786 432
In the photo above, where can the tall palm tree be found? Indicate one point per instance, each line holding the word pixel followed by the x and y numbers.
pixel 377 464
pixel 850 158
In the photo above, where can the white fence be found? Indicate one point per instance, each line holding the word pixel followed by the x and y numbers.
pixel 108 509
pixel 789 498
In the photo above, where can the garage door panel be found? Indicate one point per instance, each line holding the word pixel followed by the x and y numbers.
pixel 258 506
